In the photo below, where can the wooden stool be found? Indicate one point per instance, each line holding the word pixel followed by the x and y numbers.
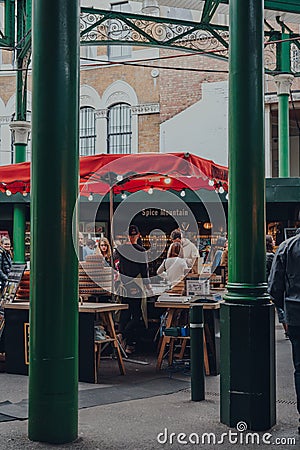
pixel 111 338
pixel 97 354
pixel 184 340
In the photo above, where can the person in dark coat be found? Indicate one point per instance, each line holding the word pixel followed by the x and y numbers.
pixel 134 276
pixel 269 259
pixel 5 261
pixel 284 288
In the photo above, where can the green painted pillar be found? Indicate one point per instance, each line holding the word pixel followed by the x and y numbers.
pixel 247 318
pixel 20 128
pixel 53 370
pixel 283 82
pixel 19 233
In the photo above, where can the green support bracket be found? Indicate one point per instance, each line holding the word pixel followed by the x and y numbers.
pixel 209 10
pixel 7 40
pixel 291 6
pixel 143 30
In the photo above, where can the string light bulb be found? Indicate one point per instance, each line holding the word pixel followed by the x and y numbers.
pixel 119 177
pixel 182 193
pixel 24 193
pixel 150 190
pixel 8 192
pixel 123 195
pixel 227 196
pixel 167 180
pixel 90 197
pixel 221 190
pixel 211 182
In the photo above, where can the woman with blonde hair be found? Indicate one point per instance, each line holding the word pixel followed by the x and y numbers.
pixel 104 249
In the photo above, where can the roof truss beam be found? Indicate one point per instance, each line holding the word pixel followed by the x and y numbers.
pixel 209 10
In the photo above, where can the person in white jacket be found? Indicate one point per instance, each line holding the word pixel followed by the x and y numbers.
pixel 190 251
pixel 174 267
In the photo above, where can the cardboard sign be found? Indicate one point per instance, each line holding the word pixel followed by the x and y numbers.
pixel 289 232
pixel 14 278
pixel 10 289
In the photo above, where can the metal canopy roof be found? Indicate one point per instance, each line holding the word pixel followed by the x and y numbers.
pixel 275 5
pixel 289 10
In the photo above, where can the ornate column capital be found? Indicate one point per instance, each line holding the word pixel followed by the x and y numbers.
pixel 146 108
pixel 101 113
pixel 283 82
pixel 21 130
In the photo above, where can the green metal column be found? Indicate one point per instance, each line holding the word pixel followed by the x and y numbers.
pixel 283 135
pixel 20 147
pixel 247 318
pixel 53 371
pixel 19 212
pixel 283 82
pixel 19 233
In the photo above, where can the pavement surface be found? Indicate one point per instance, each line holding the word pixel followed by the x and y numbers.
pixel 148 423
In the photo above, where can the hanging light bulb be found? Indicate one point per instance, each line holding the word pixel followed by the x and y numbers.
pixel 123 195
pixel 150 190
pixel 182 193
pixel 211 182
pixel 167 180
pixel 221 190
pixel 24 193
pixel 90 197
pixel 8 192
pixel 119 177
pixel 227 196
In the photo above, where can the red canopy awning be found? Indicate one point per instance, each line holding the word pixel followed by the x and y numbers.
pixel 131 172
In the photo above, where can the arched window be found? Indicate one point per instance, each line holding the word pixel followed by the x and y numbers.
pixel 119 132
pixel 87 131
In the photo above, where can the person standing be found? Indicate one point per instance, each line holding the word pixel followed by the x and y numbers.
pixel 135 287
pixel 269 259
pixel 284 288
pixel 5 261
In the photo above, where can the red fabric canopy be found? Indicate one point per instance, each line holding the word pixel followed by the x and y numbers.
pixel 132 172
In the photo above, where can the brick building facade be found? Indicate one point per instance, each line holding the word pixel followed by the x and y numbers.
pixel 172 104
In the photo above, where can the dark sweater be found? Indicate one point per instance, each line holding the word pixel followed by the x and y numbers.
pixel 132 262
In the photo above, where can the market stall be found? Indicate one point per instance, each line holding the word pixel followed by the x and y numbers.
pixel 90 315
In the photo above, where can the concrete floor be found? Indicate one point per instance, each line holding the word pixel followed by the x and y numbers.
pixel 136 424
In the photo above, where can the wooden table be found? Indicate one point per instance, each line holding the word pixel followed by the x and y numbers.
pixel 175 307
pixel 16 339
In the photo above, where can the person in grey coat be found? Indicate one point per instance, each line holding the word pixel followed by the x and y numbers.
pixel 284 288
